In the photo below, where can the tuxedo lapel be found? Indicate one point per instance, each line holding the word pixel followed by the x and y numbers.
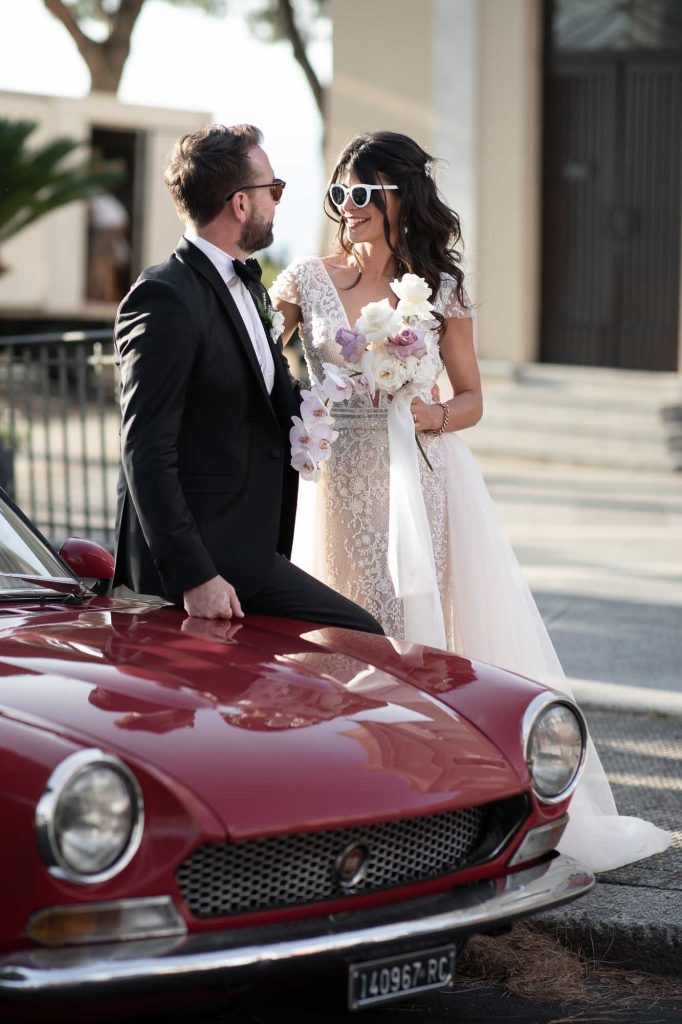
pixel 282 393
pixel 189 253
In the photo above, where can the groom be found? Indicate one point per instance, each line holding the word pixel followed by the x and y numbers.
pixel 207 496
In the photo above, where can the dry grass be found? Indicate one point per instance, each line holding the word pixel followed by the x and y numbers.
pixel 528 963
pixel 534 965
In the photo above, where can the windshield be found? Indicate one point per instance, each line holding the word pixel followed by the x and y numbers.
pixel 22 553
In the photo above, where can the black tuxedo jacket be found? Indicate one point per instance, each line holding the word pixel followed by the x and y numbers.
pixel 206 485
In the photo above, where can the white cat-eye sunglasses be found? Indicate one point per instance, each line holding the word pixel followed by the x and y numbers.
pixel 360 194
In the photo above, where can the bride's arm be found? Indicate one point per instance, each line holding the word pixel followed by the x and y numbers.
pixel 459 358
pixel 292 317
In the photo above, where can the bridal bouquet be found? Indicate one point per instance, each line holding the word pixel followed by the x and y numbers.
pixel 386 350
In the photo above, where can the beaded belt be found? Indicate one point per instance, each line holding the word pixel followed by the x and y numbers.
pixel 359 418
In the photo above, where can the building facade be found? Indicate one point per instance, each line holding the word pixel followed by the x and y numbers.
pixel 76 263
pixel 559 127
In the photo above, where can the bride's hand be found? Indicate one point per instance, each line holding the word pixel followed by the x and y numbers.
pixel 426 417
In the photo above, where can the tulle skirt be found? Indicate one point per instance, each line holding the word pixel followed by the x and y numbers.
pixel 493 618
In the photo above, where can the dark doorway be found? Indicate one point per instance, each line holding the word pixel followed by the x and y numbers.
pixel 114 221
pixel 612 184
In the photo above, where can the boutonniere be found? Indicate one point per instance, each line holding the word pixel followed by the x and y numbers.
pixel 271 319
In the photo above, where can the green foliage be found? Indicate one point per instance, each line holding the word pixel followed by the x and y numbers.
pixel 264 16
pixel 265 19
pixel 34 182
pixel 270 270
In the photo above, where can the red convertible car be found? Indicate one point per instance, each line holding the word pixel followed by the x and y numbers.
pixel 191 808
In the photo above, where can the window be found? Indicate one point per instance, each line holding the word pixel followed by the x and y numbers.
pixel 615 24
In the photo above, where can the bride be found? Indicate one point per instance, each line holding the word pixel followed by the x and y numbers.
pixel 384 517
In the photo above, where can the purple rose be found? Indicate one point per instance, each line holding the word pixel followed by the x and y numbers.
pixel 408 342
pixel 352 344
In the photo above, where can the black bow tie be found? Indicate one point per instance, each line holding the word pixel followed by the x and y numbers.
pixel 248 272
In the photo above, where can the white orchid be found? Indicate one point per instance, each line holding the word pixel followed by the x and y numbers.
pixel 378 321
pixel 413 293
pixel 304 463
pixel 300 433
pixel 367 368
pixel 337 386
pixel 313 407
pixel 361 385
pixel 322 438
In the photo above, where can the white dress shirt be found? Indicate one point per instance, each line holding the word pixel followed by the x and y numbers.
pixel 223 263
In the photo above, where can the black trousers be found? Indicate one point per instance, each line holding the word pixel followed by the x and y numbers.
pixel 293 594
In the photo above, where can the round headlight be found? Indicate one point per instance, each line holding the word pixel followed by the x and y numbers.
pixel 555 749
pixel 89 819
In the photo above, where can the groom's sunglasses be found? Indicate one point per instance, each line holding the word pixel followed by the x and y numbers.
pixel 276 188
pixel 360 194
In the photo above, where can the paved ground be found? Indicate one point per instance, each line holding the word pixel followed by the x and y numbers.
pixel 633 917
pixel 602 551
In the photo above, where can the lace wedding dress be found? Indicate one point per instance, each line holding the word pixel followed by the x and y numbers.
pixel 488 612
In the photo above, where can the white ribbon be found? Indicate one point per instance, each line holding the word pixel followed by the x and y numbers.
pixel 410 551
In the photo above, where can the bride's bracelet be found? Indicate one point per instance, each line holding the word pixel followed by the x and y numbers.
pixel 446 413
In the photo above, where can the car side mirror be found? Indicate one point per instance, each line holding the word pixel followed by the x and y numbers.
pixel 89 561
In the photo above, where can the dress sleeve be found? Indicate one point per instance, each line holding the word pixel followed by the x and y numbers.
pixel 286 284
pixel 451 307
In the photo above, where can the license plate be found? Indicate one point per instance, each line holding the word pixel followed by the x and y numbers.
pixel 393 977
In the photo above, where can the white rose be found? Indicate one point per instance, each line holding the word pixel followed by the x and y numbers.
pixel 390 373
pixel 432 341
pixel 378 321
pixel 411 364
pixel 413 293
pixel 427 370
pixel 277 319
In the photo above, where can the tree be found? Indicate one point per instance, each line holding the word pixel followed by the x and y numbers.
pixel 105 58
pixel 274 20
pixel 33 182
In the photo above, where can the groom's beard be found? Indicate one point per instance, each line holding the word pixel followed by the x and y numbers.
pixel 256 234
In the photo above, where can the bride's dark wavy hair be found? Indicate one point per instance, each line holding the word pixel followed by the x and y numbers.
pixel 429 232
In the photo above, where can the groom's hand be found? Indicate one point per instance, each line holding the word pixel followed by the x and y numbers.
pixel 214 599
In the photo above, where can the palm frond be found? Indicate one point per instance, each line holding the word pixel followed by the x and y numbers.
pixel 33 182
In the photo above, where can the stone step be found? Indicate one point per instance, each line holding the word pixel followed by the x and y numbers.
pixel 581 415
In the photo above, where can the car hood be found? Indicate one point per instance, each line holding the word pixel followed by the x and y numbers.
pixel 269 723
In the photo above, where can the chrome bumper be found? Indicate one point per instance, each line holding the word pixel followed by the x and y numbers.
pixel 239 955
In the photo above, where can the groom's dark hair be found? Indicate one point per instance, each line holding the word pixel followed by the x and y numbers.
pixel 206 166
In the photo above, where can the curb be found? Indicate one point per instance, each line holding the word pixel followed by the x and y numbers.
pixel 631 926
pixel 593 693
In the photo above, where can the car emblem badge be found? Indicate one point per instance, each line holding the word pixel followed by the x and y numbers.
pixel 351 865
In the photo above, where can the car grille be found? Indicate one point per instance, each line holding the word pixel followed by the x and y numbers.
pixel 225 878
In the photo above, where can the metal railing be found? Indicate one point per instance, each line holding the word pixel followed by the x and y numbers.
pixel 59 431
